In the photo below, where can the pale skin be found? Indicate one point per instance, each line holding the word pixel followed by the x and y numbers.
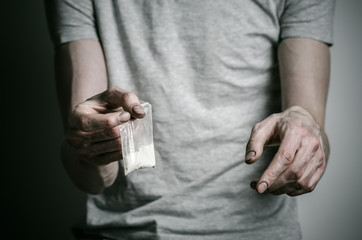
pixel 91 115
pixel 299 129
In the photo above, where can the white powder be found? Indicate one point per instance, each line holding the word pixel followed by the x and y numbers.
pixel 143 158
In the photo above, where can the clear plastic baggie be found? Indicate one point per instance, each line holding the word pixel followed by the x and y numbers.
pixel 137 142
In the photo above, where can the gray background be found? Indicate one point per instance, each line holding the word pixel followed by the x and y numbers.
pixel 38 201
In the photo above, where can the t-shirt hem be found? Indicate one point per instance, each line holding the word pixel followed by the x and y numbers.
pixel 70 37
pixel 306 34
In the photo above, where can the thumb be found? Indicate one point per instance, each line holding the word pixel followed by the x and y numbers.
pixel 118 97
pixel 261 134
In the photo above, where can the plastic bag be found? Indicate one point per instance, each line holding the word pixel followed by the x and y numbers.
pixel 137 142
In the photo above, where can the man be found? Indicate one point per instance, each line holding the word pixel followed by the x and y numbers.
pixel 212 70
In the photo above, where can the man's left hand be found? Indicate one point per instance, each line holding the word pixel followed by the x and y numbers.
pixel 302 156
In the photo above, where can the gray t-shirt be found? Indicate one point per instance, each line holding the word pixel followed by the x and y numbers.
pixel 210 71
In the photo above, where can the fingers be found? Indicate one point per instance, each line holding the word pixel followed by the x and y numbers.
pixel 312 174
pixel 92 150
pixel 295 171
pixel 106 158
pixel 311 186
pixel 301 158
pixel 118 97
pixel 261 134
pixel 99 147
pixel 306 185
pixel 96 113
pixel 93 122
pixel 76 137
pixel 293 175
pixel 281 161
pixel 254 183
pixel 101 153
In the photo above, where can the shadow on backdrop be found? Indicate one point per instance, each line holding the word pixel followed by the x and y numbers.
pixel 38 201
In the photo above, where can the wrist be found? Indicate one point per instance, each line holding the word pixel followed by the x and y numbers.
pixel 316 114
pixel 300 110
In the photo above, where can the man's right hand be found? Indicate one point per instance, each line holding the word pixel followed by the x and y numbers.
pixel 93 125
pixel 92 146
pixel 93 142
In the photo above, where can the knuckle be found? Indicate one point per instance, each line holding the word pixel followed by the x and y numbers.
pixel 85 123
pixel 309 140
pixel 256 127
pixel 321 161
pixel 113 132
pixel 295 108
pixel 128 96
pixel 300 130
pixel 109 123
pixel 77 109
pixel 316 127
pixel 286 156
pixel 113 89
pixel 274 116
pixel 314 143
pixel 301 185
pixel 111 92
pixel 119 141
pixel 271 176
pixel 295 174
pixel 108 92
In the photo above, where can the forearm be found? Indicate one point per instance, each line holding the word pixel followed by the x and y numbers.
pixel 81 74
pixel 305 72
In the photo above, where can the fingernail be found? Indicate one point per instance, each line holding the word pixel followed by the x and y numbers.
pixel 124 117
pixel 253 185
pixel 138 110
pixel 249 156
pixel 262 187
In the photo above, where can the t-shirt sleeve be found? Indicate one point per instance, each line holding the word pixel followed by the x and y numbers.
pixel 309 19
pixel 70 20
